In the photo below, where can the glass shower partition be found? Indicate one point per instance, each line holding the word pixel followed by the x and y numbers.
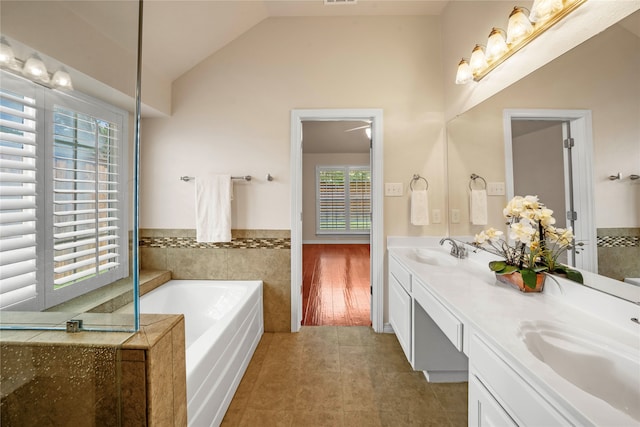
pixel 69 119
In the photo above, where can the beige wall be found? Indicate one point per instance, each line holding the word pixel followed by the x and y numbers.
pixel 231 114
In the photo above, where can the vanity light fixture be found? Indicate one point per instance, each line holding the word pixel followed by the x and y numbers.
pixel 521 31
pixel 33 68
pixel 519 26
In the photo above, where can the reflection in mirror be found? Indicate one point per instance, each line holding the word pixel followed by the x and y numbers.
pixel 598 77
pixel 66 161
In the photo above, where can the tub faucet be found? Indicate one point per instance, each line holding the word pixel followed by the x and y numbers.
pixel 458 251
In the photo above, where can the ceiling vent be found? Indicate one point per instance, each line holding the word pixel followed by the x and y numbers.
pixel 332 2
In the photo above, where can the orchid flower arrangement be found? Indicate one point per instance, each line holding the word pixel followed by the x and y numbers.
pixel 536 242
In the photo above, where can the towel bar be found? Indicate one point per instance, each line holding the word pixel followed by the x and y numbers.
pixel 417 177
pixel 187 178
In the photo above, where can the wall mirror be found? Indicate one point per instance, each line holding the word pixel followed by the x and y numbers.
pixel 597 80
pixel 67 159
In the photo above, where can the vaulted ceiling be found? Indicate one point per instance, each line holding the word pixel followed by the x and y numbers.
pixel 179 34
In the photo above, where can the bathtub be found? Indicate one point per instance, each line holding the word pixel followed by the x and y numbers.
pixel 223 325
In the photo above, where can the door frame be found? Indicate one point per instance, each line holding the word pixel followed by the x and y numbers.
pixel 377 224
pixel 582 133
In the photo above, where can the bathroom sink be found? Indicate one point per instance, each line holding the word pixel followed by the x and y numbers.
pixel 595 364
pixel 434 257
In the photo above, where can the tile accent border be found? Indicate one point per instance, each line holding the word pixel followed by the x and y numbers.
pixel 618 241
pixel 236 243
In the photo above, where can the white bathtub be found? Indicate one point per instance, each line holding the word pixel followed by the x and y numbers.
pixel 223 325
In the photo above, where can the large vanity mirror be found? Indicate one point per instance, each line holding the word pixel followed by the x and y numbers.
pixel 591 94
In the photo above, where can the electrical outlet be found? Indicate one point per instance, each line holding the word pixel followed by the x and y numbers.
pixel 393 189
pixel 435 216
pixel 495 189
pixel 455 216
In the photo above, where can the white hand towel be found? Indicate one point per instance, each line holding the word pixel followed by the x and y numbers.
pixel 419 207
pixel 478 207
pixel 213 208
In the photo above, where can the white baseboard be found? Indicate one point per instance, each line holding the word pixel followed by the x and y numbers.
pixel 336 242
pixel 388 329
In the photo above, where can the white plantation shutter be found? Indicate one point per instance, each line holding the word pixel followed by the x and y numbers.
pixel 62 196
pixel 18 196
pixel 331 203
pixel 85 196
pixel 343 199
pixel 359 199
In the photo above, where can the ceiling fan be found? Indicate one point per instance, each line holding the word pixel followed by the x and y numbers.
pixel 368 125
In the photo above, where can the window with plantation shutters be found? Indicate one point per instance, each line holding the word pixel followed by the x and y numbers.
pixel 63 195
pixel 343 199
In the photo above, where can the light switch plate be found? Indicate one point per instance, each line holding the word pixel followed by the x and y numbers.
pixel 393 189
pixel 495 189
pixel 435 216
pixel 455 216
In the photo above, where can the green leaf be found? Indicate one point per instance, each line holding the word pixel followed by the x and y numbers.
pixel 497 265
pixel 529 277
pixel 574 275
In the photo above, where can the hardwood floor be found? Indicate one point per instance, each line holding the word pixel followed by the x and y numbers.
pixel 335 285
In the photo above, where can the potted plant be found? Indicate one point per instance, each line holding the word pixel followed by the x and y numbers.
pixel 535 245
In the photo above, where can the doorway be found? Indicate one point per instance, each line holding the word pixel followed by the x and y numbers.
pixel 336 222
pixel 548 153
pixel 373 118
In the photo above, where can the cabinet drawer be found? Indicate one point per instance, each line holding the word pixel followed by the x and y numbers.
pixel 400 273
pixel 450 325
pixel 521 400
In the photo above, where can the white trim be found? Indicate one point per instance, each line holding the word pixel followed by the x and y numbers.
pixel 581 131
pixel 377 212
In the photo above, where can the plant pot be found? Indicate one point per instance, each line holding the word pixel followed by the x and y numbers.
pixel 515 279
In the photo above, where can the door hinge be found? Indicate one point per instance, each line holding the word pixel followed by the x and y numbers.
pixel 569 143
pixel 572 215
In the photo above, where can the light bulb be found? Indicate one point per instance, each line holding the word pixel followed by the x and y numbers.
pixel 542 10
pixel 496 45
pixel 519 26
pixel 7 58
pixel 35 69
pixel 62 80
pixel 464 74
pixel 478 62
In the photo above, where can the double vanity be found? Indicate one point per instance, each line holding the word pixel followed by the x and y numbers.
pixel 567 356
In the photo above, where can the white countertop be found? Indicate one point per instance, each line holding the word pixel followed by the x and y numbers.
pixel 495 311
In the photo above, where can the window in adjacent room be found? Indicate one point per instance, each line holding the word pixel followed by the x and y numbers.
pixel 343 199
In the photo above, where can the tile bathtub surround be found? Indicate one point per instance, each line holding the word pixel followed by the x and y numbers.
pixel 251 255
pixel 619 252
pixel 340 376
pixel 95 378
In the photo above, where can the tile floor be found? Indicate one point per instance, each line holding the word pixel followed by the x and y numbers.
pixel 340 376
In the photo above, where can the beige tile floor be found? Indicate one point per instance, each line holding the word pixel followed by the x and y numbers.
pixel 340 376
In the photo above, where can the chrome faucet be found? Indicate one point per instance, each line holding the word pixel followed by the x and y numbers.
pixel 458 251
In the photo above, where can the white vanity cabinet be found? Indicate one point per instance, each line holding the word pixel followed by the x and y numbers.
pixel 499 396
pixel 400 305
pixel 430 335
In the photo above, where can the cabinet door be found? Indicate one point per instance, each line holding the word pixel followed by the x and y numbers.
pixel 484 410
pixel 400 315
